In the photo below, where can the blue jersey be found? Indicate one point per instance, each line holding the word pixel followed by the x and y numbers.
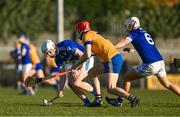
pixel 144 45
pixel 26 58
pixel 66 52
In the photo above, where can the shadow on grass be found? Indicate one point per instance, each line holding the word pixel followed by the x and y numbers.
pixel 167 105
pixel 79 105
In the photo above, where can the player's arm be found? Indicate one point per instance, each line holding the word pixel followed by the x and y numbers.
pixel 122 43
pixel 86 55
pixel 23 52
pixel 129 50
pixel 78 52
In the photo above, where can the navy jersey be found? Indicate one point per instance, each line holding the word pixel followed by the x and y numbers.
pixel 26 58
pixel 144 45
pixel 66 52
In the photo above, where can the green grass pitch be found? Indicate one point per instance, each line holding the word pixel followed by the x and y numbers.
pixel 153 103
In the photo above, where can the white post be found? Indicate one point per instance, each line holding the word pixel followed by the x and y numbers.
pixel 60 20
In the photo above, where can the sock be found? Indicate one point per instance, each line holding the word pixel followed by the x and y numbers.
pixel 120 99
pixel 94 91
pixel 98 97
pixel 25 89
pixel 86 101
pixel 131 98
pixel 39 80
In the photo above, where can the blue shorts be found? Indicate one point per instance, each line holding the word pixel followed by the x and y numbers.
pixel 38 66
pixel 114 65
pixel 54 69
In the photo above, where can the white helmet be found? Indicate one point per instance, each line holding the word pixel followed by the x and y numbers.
pixel 47 45
pixel 132 23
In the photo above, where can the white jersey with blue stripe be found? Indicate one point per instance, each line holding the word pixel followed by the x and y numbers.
pixel 144 45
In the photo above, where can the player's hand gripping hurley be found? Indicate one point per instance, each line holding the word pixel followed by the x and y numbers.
pixel 32 81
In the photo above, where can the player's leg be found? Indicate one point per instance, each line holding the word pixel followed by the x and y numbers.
pixel 32 72
pixel 111 79
pixel 162 77
pixel 79 83
pixel 141 71
pixel 79 86
pixel 19 76
pixel 80 93
pixel 61 84
pixel 26 70
pixel 130 76
pixel 93 74
pixel 169 85
pixel 80 75
pixel 111 69
pixel 38 72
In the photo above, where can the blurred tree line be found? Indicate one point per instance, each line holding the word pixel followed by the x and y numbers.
pixel 160 17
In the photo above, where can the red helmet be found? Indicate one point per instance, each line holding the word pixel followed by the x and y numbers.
pixel 83 25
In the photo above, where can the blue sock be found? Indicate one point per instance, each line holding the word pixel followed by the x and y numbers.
pixel 25 89
pixel 120 99
pixel 86 101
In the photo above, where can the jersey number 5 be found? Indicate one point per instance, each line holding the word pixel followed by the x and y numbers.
pixel 148 38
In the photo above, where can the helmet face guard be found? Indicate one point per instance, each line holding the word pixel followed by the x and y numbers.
pixel 47 46
pixel 132 23
pixel 129 24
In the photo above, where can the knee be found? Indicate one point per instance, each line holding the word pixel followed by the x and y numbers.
pixel 76 83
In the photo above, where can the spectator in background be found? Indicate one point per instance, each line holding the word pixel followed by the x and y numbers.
pixel 171 66
pixel 26 63
pixel 16 57
pixel 36 62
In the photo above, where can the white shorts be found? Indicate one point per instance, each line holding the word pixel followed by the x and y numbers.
pixel 19 68
pixel 88 64
pixel 156 68
pixel 26 68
